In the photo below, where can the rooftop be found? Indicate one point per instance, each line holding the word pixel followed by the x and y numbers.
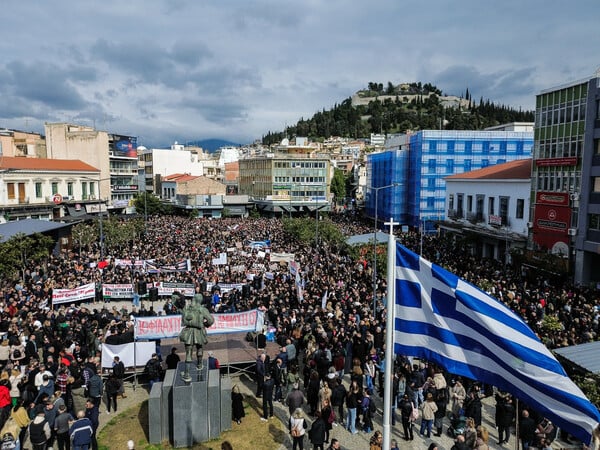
pixel 513 170
pixel 60 165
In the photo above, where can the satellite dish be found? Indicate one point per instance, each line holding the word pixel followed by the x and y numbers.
pixel 285 141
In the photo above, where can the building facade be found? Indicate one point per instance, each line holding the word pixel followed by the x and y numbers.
pixel 565 215
pixel 286 183
pixel 158 163
pixel 491 207
pixel 418 163
pixel 114 155
pixel 47 189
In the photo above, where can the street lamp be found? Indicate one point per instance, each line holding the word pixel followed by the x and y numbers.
pixel 377 189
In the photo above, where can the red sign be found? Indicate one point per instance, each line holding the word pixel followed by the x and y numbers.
pixel 57 199
pixel 546 162
pixel 551 224
pixel 552 198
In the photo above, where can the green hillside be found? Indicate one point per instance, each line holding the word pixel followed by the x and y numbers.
pixel 399 109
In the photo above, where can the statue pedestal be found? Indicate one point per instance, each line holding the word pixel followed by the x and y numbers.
pixel 195 411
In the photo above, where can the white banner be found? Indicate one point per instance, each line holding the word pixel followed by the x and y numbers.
pixel 73 295
pixel 187 289
pixel 221 260
pixel 281 257
pixel 163 327
pixel 125 352
pixel 117 290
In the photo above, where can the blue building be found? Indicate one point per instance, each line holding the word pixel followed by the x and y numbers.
pixel 406 181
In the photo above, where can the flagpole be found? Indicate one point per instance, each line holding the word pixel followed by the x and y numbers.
pixel 389 338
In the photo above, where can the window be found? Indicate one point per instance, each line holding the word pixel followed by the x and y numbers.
pixel 451 202
pixel 38 189
pixel 467 165
pixel 10 190
pixel 70 188
pixel 469 203
pixel 430 202
pixel 596 184
pixel 84 191
pixel 520 208
pixel 449 166
pixel 431 165
pixel 92 189
pixel 54 187
pixel 491 205
pixel 504 208
pixel 459 205
pixel 431 184
pixel 594 222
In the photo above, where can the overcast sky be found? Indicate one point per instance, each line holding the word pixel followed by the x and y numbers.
pixel 234 69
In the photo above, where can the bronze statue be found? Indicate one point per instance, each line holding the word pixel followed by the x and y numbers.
pixel 195 319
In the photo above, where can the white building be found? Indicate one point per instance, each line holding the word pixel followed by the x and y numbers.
pixel 47 189
pixel 164 162
pixel 491 206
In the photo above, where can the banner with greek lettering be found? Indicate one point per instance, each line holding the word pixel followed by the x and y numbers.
pixel 186 289
pixel 163 327
pixel 117 290
pixel 73 295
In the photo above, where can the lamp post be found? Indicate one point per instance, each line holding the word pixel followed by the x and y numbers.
pixel 376 189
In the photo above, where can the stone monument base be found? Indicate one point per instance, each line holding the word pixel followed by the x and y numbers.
pixel 186 413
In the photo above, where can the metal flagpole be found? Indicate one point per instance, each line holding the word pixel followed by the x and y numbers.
pixel 389 337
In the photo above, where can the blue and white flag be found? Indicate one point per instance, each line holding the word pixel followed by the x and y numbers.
pixel 444 319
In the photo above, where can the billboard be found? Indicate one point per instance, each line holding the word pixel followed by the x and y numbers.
pixel 551 221
pixel 124 146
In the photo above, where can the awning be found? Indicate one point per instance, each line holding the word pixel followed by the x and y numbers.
pixel 586 356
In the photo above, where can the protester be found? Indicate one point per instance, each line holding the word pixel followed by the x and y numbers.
pixel 237 404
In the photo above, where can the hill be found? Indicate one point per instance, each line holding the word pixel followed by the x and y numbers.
pixel 401 109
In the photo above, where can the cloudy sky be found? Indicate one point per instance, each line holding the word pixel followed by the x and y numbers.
pixel 167 70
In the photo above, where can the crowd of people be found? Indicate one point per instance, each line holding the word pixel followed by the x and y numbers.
pixel 327 332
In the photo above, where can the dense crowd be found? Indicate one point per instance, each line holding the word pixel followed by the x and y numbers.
pixel 331 329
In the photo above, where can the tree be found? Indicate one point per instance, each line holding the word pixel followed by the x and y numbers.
pixel 84 235
pixel 338 184
pixel 20 250
pixel 147 204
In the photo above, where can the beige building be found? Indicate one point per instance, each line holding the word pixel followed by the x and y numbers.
pixel 68 141
pixel 22 143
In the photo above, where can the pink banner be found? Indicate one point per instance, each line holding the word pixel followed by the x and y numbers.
pixel 163 327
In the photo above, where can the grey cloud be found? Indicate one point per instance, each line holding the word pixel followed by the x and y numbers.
pixel 41 82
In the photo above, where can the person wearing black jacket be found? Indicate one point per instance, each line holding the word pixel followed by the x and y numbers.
pixel 268 387
pixel 505 415
pixel 317 432
pixel 93 413
pixel 406 407
pixel 119 372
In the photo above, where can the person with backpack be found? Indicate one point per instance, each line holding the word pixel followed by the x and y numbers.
pixel 328 417
pixel 39 429
pixel 119 371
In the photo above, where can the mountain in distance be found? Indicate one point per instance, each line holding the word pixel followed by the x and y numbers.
pixel 212 145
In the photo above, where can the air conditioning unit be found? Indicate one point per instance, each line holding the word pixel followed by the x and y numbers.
pixel 529 224
pixel 572 231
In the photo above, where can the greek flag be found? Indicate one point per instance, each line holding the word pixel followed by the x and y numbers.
pixel 442 318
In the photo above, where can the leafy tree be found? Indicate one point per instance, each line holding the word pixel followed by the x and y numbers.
pixel 84 235
pixel 147 204
pixel 21 250
pixel 338 184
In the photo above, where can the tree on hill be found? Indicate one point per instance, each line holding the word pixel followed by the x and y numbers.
pixel 399 114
